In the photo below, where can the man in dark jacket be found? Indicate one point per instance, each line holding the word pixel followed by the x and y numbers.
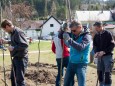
pixel 103 46
pixel 19 51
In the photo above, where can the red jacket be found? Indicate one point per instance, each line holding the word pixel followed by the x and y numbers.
pixel 55 46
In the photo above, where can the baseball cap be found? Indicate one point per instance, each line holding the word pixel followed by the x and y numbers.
pixel 98 24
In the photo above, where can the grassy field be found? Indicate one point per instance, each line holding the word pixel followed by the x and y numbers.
pixel 47 57
pixel 44 45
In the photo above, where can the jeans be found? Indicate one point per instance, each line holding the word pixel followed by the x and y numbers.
pixel 79 70
pixel 19 66
pixel 104 70
pixel 65 64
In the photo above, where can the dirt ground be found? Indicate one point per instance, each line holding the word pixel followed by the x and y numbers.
pixel 47 74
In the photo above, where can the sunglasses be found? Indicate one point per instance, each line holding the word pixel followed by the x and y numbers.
pixel 73 30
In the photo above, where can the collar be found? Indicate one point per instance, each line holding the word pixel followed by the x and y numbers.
pixel 101 32
pixel 75 37
pixel 80 33
pixel 13 31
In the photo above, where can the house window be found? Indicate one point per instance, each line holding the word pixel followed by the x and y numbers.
pixel 51 25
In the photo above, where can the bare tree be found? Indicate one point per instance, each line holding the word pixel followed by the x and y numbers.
pixel 20 12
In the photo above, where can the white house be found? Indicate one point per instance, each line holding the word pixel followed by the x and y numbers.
pixel 89 17
pixel 111 28
pixel 50 25
pixel 92 16
pixel 30 28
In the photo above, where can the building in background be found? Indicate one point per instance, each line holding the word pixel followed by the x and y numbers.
pixel 92 16
pixel 32 28
pixel 51 25
pixel 89 17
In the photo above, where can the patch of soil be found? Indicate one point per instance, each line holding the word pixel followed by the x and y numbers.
pixel 42 76
pixel 46 74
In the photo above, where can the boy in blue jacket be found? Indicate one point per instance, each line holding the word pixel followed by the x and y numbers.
pixel 79 41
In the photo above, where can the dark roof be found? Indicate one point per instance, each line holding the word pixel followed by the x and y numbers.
pixel 31 25
pixel 49 19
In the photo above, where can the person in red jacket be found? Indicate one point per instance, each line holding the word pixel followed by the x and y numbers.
pixel 61 51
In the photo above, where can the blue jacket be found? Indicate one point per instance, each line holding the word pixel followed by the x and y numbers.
pixel 80 47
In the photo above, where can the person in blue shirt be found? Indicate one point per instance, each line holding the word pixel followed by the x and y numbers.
pixel 79 42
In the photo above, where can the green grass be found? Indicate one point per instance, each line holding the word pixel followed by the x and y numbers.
pixel 44 45
pixel 45 57
pixel 7 61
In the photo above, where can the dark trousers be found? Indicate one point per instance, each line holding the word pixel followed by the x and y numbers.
pixel 65 64
pixel 104 70
pixel 19 66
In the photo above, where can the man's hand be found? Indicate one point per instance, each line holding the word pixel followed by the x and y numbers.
pixel 66 36
pixel 10 48
pixel 3 41
pixel 101 53
pixel 96 55
pixel 113 41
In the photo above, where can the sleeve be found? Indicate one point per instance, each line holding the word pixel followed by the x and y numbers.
pixel 21 41
pixel 95 44
pixel 111 44
pixel 80 46
pixel 66 43
pixel 53 47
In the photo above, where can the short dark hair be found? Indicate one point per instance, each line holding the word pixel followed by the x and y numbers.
pixel 75 23
pixel 65 25
pixel 98 24
pixel 60 35
pixel 6 23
